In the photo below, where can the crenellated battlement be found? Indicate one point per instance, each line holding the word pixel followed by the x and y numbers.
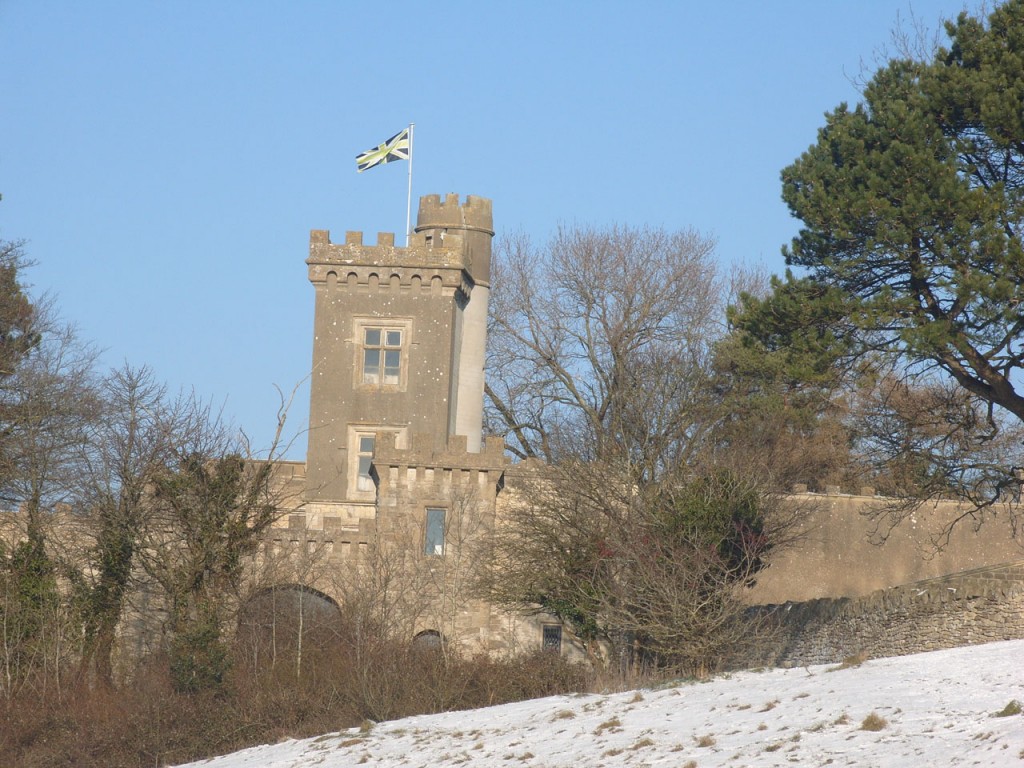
pixel 422 267
pixel 475 213
pixel 422 250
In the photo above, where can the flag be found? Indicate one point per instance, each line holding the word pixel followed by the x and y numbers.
pixel 395 148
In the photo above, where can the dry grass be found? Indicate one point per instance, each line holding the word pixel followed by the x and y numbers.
pixel 873 722
pixel 148 723
pixel 849 662
pixel 607 725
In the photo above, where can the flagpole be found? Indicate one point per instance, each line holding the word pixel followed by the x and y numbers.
pixel 408 200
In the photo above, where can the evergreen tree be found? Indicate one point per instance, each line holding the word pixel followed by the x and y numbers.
pixel 17 334
pixel 912 205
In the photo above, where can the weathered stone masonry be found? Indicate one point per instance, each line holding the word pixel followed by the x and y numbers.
pixel 977 606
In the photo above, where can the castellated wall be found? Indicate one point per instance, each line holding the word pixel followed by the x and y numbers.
pixel 837 592
pixel 339 551
pixel 834 595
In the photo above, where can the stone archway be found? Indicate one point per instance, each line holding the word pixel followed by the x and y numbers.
pixel 428 640
pixel 286 623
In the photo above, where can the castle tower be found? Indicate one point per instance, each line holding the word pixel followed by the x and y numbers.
pixel 473 222
pixel 399 337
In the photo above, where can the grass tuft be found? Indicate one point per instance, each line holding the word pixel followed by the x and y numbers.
pixel 851 661
pixel 873 722
pixel 607 725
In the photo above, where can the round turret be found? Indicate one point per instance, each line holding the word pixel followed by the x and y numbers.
pixel 474 222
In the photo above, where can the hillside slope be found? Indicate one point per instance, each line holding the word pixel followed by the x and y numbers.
pixel 938 708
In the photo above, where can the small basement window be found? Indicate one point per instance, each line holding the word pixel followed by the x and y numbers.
pixel 551 638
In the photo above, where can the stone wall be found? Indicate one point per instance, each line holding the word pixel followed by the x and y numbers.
pixel 976 606
pixel 843 552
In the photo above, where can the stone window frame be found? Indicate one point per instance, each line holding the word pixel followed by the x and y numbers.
pixel 383 324
pixel 551 638
pixel 364 447
pixel 357 433
pixel 435 545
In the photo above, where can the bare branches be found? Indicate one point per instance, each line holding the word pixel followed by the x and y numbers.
pixel 636 532
pixel 923 437
pixel 585 329
pixel 657 571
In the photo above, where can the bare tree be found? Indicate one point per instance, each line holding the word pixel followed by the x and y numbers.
pixel 48 404
pixel 657 572
pixel 127 449
pixel 638 530
pixel 600 341
pixel 921 436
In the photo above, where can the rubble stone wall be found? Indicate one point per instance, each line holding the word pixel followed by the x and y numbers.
pixel 978 606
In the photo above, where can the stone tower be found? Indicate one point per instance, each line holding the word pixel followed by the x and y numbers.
pixel 399 337
pixel 472 224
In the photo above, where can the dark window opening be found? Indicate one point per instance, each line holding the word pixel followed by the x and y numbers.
pixel 551 638
pixel 433 537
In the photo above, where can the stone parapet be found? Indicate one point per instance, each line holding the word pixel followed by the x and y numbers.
pixel 428 472
pixel 426 452
pixel 420 252
pixel 846 549
pixel 475 214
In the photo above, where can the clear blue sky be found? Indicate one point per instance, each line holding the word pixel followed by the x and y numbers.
pixel 166 160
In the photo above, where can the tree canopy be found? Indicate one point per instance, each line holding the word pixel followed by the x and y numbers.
pixel 17 332
pixel 912 205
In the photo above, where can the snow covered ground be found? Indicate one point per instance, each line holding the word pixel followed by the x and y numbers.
pixel 938 709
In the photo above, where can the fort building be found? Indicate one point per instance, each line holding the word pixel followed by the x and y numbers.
pixel 398 345
pixel 399 481
pixel 396 456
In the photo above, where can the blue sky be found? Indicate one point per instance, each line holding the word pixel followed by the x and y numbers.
pixel 166 160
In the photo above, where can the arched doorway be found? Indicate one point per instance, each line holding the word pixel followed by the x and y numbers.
pixel 286 624
pixel 428 640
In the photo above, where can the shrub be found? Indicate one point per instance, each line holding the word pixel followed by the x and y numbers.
pixel 1013 707
pixel 151 720
pixel 873 722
